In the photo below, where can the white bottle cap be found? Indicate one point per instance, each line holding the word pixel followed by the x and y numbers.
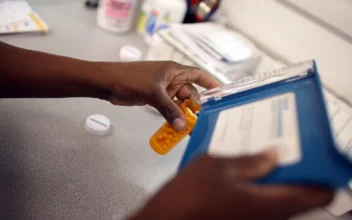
pixel 98 124
pixel 130 53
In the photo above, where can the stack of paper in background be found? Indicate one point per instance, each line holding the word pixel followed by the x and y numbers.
pixel 17 16
pixel 221 52
pixel 341 122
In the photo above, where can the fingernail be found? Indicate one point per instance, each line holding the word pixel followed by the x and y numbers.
pixel 179 124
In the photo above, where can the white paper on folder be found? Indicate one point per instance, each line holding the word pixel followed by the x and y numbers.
pixel 17 16
pixel 340 115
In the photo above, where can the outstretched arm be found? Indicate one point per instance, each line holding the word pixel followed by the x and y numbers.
pixel 26 73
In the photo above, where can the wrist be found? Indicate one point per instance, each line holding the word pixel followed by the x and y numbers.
pixel 98 79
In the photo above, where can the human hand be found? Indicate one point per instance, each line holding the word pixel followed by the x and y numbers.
pixel 156 83
pixel 223 188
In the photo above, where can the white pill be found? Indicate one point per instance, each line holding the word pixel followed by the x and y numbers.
pixel 130 53
pixel 98 124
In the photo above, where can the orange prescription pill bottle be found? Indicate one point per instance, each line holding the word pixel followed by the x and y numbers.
pixel 166 137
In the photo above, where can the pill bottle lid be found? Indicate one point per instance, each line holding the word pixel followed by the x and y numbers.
pixel 130 53
pixel 98 124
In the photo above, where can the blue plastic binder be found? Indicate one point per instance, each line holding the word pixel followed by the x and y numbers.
pixel 283 108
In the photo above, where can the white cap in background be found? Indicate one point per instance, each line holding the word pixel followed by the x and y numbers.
pixel 130 53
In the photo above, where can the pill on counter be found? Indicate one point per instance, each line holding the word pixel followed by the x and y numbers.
pixel 98 124
pixel 130 53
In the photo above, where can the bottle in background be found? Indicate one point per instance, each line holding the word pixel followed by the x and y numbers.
pixel 116 15
pixel 159 14
pixel 201 10
pixel 146 9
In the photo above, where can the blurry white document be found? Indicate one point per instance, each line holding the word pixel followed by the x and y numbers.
pixel 17 16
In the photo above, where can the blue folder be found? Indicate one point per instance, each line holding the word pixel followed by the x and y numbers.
pixel 296 89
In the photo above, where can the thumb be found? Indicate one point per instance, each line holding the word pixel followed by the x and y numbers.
pixel 250 167
pixel 171 111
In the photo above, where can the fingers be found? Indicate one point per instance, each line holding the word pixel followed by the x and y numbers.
pixel 172 115
pixel 197 76
pixel 288 200
pixel 232 170
pixel 187 91
pixel 170 110
pixel 249 167
pixel 298 199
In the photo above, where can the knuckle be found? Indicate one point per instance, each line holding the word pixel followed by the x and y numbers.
pixel 169 70
pixel 197 69
pixel 191 87
pixel 173 65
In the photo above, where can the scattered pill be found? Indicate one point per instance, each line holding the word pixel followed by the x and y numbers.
pixel 98 124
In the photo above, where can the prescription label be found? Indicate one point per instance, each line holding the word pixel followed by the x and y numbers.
pixel 251 128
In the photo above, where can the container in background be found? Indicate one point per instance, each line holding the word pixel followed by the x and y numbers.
pixel 146 9
pixel 116 15
pixel 201 10
pixel 159 14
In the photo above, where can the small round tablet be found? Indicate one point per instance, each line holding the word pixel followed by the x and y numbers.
pixel 130 53
pixel 98 124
